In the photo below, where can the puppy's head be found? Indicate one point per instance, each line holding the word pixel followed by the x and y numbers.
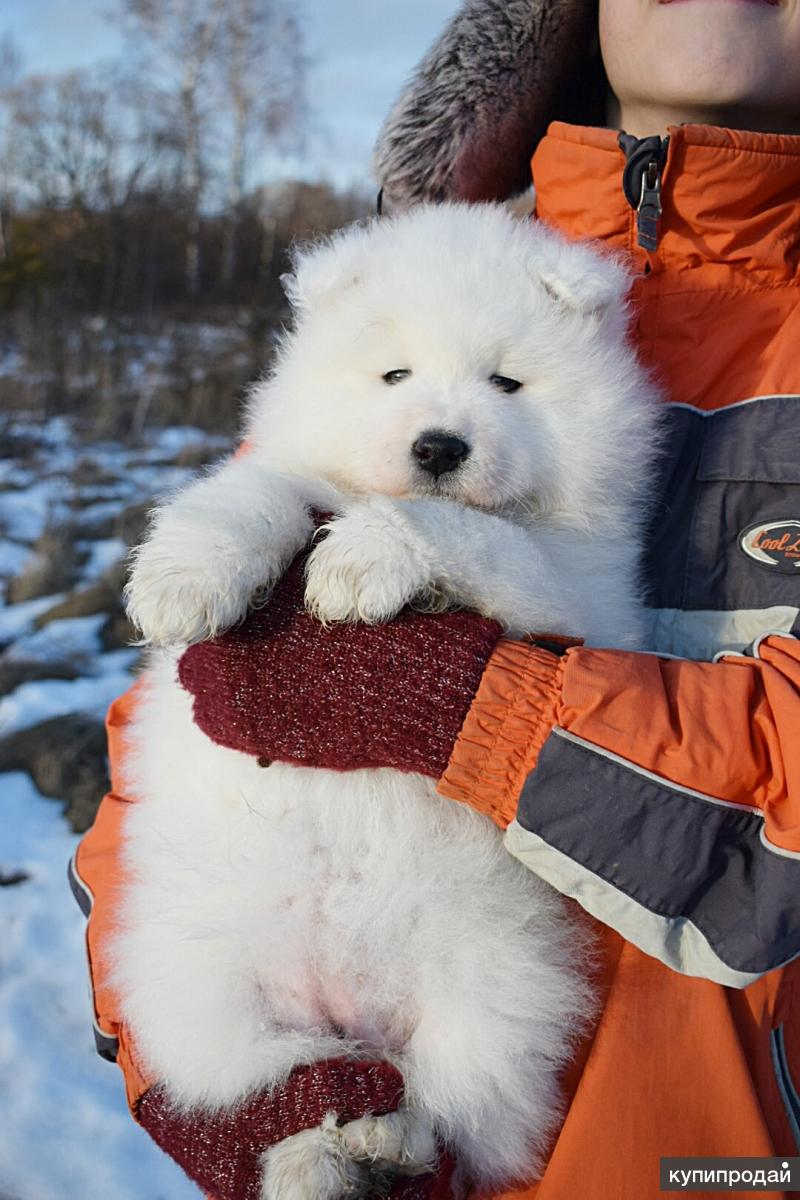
pixel 455 352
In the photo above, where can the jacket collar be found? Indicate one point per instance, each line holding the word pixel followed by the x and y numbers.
pixel 728 197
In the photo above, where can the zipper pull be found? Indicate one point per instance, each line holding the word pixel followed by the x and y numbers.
pixel 641 182
pixel 648 210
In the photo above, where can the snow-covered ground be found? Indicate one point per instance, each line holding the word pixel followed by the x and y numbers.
pixel 65 1133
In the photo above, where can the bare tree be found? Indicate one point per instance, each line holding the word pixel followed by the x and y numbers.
pixel 181 37
pixel 262 66
pixel 82 146
pixel 10 69
pixel 10 61
pixel 76 145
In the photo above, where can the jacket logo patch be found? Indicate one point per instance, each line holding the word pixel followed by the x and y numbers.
pixel 773 544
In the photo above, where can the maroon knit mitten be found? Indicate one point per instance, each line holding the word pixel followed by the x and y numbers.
pixel 284 687
pixel 221 1152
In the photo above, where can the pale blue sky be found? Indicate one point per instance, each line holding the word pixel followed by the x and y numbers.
pixel 361 51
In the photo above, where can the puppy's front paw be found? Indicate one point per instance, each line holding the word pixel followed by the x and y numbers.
pixel 170 600
pixel 193 579
pixel 367 567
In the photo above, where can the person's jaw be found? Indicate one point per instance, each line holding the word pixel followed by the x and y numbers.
pixel 719 62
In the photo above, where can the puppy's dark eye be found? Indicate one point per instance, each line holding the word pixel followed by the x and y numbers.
pixel 396 376
pixel 504 384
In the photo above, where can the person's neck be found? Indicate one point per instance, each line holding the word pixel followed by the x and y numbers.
pixel 645 120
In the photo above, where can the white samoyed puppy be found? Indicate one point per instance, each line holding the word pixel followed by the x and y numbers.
pixel 459 392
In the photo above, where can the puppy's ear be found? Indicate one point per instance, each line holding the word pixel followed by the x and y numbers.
pixel 577 276
pixel 323 271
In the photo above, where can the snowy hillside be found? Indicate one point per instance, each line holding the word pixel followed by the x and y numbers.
pixel 68 510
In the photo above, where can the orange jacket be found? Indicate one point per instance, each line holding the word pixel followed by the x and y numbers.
pixel 660 791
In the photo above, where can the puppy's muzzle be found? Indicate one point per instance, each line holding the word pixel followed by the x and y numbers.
pixel 438 452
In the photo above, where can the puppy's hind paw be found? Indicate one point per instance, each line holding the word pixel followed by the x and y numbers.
pixel 313 1165
pixel 401 1142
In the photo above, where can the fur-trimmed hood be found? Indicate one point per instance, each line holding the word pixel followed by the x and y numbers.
pixel 466 124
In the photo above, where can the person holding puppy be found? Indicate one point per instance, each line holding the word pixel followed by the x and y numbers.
pixel 658 790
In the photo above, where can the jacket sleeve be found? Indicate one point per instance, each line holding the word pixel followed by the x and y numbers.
pixel 661 794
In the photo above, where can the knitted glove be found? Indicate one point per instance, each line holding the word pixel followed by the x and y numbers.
pixel 281 686
pixel 221 1152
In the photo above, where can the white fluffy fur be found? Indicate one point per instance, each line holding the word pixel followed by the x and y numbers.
pixel 278 916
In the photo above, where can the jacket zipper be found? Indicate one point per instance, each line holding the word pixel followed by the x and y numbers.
pixel 641 182
pixel 648 210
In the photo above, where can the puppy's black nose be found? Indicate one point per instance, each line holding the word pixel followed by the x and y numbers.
pixel 439 452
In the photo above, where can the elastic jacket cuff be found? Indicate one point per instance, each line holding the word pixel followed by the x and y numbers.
pixel 508 722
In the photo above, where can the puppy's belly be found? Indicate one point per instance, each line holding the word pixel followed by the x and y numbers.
pixel 308 1000
pixel 345 899
pixel 355 898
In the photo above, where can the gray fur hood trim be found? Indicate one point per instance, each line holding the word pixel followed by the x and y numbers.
pixel 466 124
